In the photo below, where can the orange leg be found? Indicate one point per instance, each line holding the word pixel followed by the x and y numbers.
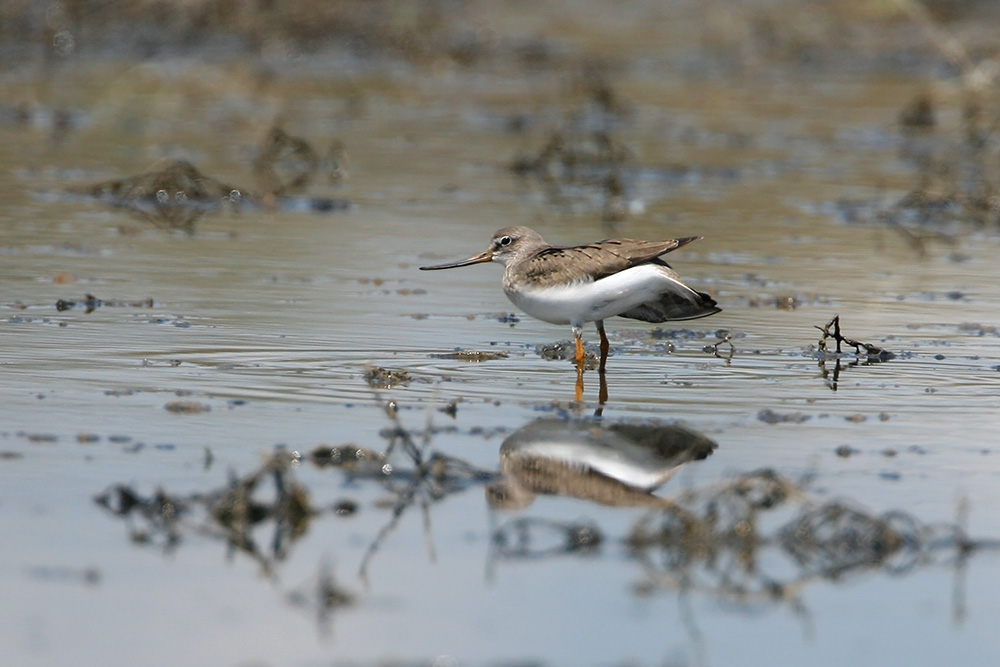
pixel 580 354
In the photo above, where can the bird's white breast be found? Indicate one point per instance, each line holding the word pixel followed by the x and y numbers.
pixel 579 302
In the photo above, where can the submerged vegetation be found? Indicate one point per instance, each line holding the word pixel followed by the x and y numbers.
pixel 175 194
pixel 172 196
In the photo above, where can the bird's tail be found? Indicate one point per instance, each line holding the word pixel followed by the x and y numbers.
pixel 677 304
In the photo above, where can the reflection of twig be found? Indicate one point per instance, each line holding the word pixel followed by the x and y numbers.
pixel 161 512
pixel 958 605
pixel 711 541
pixel 831 382
pixel 403 501
pixel 691 625
pixel 715 545
pixel 521 538
pixel 431 478
pixel 324 594
pixel 917 240
pixel 236 511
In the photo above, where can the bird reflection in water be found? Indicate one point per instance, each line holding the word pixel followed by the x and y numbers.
pixel 614 464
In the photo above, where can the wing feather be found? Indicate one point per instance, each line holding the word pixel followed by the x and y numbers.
pixel 586 263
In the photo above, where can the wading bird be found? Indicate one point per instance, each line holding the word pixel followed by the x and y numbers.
pixel 589 283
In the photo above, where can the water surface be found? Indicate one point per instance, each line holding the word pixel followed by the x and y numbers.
pixel 258 333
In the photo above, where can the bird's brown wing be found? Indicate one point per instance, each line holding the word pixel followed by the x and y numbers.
pixel 558 265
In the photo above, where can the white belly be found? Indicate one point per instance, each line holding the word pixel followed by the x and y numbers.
pixel 582 302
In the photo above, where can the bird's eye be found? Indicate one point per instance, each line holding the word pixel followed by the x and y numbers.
pixel 505 240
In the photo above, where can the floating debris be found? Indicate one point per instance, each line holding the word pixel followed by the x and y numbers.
pixel 976 329
pixel 90 303
pixel 471 355
pixel 873 353
pixel 451 409
pixel 345 508
pixel 299 204
pixel 781 302
pixel 769 416
pixel 506 318
pixel 659 333
pixel 565 350
pixel 384 378
pixel 187 407
pixel 87 575
pixel 38 438
pixel 346 456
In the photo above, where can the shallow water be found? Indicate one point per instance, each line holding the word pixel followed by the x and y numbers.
pixel 267 320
